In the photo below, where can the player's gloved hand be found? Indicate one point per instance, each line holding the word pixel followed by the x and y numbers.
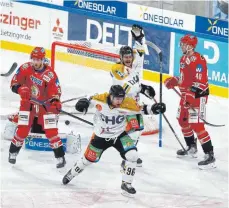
pixel 56 105
pixel 82 105
pixel 189 98
pixel 137 33
pixel 24 92
pixel 148 91
pixel 158 108
pixel 171 82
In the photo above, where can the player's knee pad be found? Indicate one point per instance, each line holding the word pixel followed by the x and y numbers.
pixel 93 154
pixel 51 133
pixel 131 155
pixel 198 127
pixel 187 131
pixel 22 131
pixel 135 135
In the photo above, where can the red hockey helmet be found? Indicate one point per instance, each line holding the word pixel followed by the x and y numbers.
pixel 189 40
pixel 38 52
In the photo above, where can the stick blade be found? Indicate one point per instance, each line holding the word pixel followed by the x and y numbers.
pixel 12 68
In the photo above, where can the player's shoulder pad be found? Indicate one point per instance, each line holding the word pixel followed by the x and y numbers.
pixel 25 66
pixel 49 74
pixel 199 56
pixel 117 72
pixel 130 104
pixel 100 97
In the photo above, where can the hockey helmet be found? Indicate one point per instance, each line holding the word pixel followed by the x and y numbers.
pixel 38 52
pixel 117 91
pixel 189 40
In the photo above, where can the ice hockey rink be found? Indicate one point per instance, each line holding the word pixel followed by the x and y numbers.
pixel 164 181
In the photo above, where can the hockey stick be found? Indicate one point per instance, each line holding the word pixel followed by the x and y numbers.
pixel 159 52
pixel 207 123
pixel 170 126
pixel 62 111
pixel 11 70
pixel 72 99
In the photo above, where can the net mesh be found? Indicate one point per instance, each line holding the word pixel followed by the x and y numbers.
pixel 80 82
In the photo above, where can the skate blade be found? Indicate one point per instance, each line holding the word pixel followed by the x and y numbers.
pixel 126 194
pixel 207 167
pixel 188 156
pixel 139 165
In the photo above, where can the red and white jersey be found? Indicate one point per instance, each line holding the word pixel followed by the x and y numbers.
pixel 44 84
pixel 193 73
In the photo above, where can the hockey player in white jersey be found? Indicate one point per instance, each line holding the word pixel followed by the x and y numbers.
pixel 127 73
pixel 109 131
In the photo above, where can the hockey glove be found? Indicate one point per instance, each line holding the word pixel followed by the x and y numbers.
pixel 189 98
pixel 82 105
pixel 148 91
pixel 24 92
pixel 158 108
pixel 56 106
pixel 137 33
pixel 171 82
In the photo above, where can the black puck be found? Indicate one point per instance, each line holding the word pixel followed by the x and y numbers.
pixel 67 122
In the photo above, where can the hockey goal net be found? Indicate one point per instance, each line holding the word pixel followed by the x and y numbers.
pixel 82 68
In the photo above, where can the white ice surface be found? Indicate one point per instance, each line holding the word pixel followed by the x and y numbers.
pixel 164 181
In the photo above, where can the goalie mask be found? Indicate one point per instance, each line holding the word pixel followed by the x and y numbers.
pixel 126 55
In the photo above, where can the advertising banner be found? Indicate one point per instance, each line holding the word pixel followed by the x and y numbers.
pixel 35 27
pixel 115 34
pixel 24 27
pixel 215 53
pixel 161 17
pixel 210 26
pixel 55 2
pixel 114 8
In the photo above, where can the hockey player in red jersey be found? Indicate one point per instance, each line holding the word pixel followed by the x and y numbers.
pixel 37 81
pixel 193 85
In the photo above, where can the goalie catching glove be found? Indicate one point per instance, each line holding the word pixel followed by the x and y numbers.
pixel 82 105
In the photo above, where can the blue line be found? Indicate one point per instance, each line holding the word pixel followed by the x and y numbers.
pixel 120 19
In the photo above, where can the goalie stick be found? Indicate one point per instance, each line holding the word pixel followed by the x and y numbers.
pixel 159 53
pixel 11 70
pixel 207 123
